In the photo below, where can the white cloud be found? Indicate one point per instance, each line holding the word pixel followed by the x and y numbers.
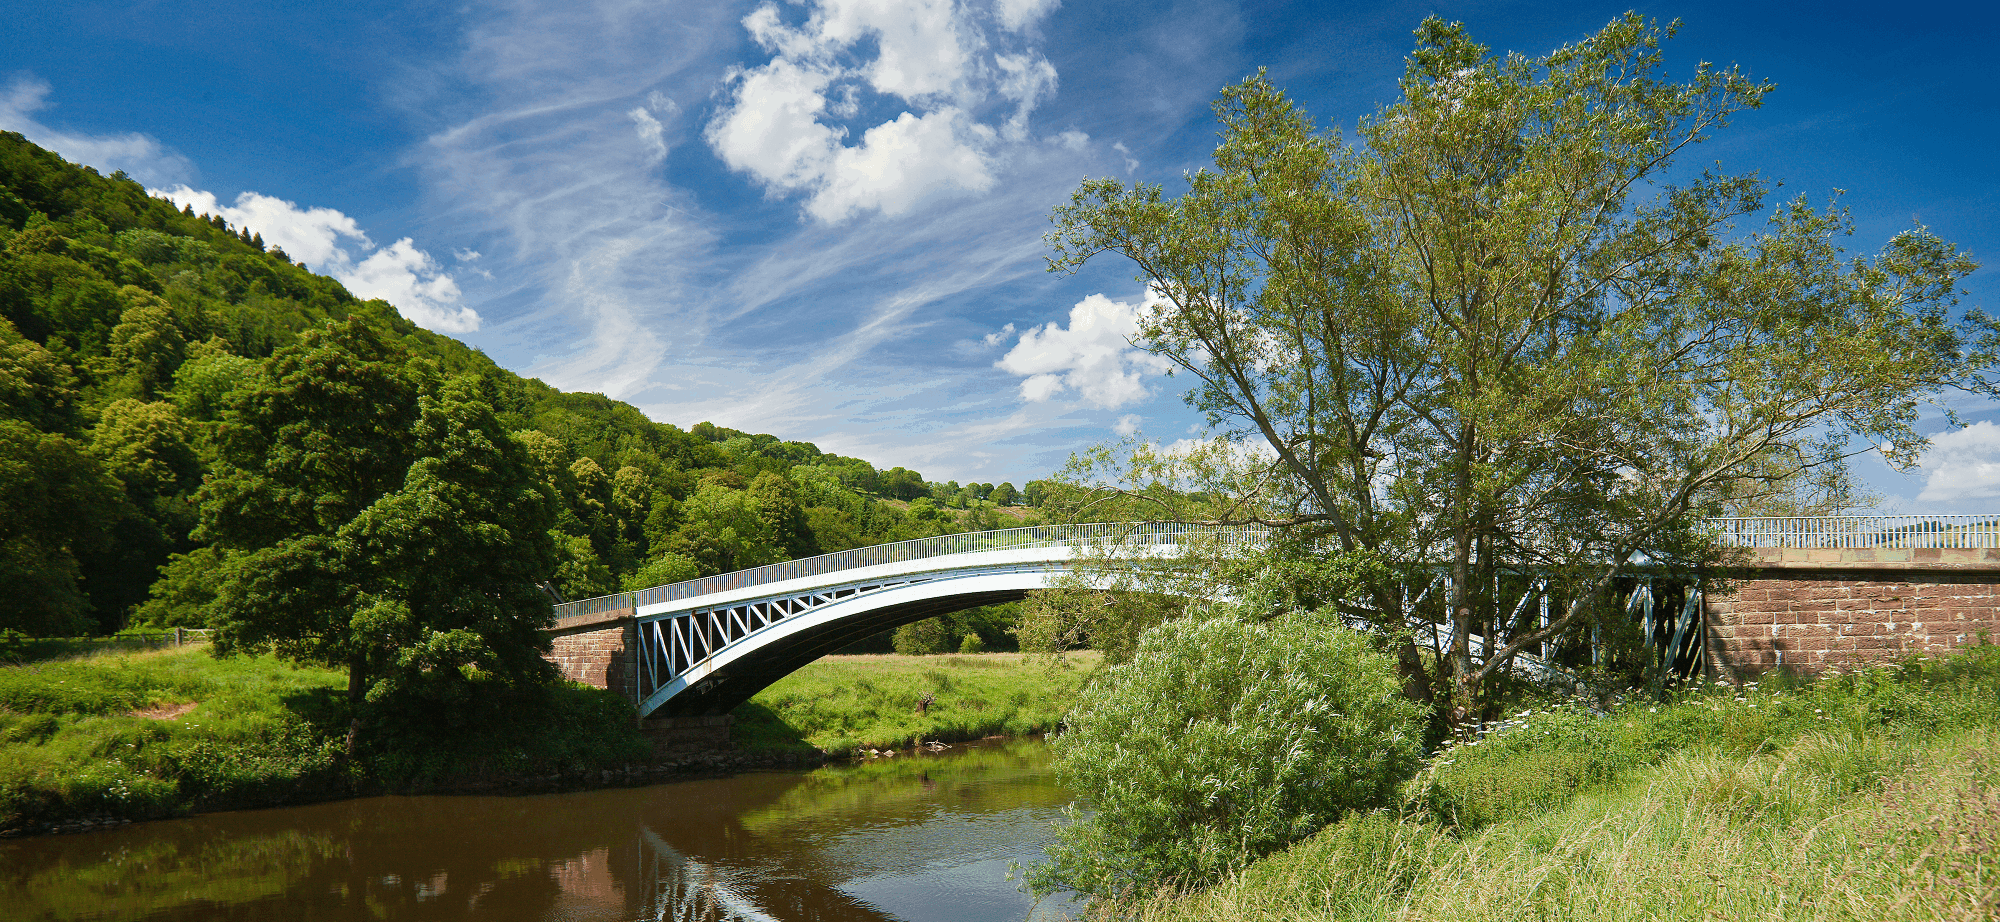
pixel 141 156
pixel 1131 163
pixel 614 279
pixel 1963 465
pixel 1093 356
pixel 780 122
pixel 1127 425
pixel 652 134
pixel 409 278
pixel 997 336
pixel 1016 15
pixel 328 241
pixel 899 163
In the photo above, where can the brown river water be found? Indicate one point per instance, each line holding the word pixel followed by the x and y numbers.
pixel 916 838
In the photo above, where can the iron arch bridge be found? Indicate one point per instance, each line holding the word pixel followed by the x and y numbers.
pixel 706 645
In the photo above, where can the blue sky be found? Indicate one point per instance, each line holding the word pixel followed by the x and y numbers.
pixel 822 219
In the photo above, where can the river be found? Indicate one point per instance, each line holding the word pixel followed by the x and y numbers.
pixel 914 837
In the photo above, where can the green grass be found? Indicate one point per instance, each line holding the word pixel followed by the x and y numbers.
pixel 1867 796
pixel 844 703
pixel 75 741
pixel 147 735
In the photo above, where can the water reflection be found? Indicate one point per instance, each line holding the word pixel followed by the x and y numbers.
pixel 911 838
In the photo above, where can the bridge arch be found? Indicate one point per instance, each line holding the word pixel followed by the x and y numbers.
pixel 704 646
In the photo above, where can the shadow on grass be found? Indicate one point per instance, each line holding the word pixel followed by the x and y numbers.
pixel 757 726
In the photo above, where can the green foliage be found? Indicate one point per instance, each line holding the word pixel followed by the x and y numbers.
pixel 1539 760
pixel 55 502
pixel 842 703
pixel 131 328
pixel 1858 797
pixel 661 571
pixel 1220 742
pixel 1491 328
pixel 377 521
pixel 971 630
pixel 139 736
pixel 931 635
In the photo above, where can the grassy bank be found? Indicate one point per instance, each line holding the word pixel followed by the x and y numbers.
pixel 132 736
pixel 1869 796
pixel 147 735
pixel 843 703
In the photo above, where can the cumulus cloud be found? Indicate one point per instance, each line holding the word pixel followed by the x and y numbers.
pixel 1127 425
pixel 1963 465
pixel 1093 357
pixel 784 121
pixel 141 156
pixel 331 242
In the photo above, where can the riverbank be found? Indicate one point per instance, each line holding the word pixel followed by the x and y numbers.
pixel 1868 796
pixel 114 738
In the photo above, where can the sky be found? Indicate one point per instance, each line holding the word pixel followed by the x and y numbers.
pixel 823 219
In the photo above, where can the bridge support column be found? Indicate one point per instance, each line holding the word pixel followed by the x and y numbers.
pixel 1807 611
pixel 600 651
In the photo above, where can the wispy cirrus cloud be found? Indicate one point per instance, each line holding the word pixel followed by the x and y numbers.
pixel 641 265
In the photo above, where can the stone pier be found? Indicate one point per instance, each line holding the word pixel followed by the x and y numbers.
pixel 1808 610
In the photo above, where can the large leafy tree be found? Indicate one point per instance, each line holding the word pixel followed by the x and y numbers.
pixel 1509 332
pixel 378 519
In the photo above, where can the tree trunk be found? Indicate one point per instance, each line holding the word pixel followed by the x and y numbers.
pixel 357 694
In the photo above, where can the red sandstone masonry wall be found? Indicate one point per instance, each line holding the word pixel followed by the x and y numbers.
pixel 1808 619
pixel 601 658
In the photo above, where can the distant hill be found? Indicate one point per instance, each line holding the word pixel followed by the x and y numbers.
pixel 125 324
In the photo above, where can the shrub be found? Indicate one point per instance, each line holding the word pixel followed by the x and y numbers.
pixel 922 638
pixel 1220 742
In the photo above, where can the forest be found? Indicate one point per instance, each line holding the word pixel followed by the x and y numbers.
pixel 134 334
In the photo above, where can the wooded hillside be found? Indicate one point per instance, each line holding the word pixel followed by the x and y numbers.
pixel 130 333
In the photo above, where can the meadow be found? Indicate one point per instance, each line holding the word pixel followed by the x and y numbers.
pixel 841 704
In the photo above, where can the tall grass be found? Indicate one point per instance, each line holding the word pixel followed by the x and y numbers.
pixel 1787 835
pixel 843 703
pixel 1866 796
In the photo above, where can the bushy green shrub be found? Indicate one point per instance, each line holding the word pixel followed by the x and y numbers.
pixel 1220 742
pixel 923 638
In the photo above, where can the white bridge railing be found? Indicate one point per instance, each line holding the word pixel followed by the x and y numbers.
pixel 1006 539
pixel 1841 531
pixel 1886 532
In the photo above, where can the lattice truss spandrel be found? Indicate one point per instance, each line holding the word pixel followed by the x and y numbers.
pixel 670 646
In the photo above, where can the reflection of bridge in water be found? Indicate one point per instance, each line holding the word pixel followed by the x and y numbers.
pixel 687 890
pixel 703 646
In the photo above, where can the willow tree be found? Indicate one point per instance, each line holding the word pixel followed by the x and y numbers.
pixel 1508 330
